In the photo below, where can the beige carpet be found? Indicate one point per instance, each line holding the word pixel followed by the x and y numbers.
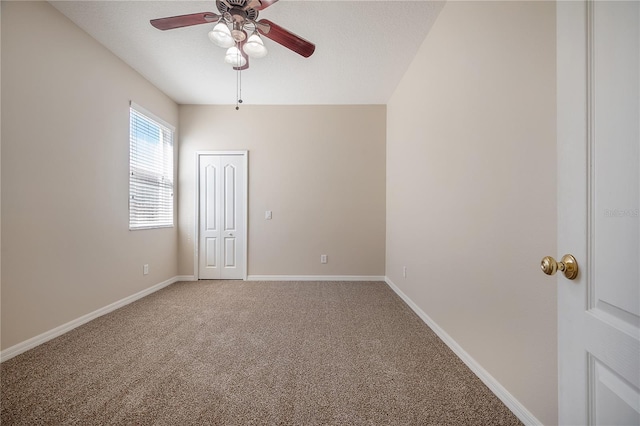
pixel 250 353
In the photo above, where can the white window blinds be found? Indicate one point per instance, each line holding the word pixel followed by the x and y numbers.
pixel 150 171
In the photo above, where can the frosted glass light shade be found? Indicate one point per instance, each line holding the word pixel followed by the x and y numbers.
pixel 254 47
pixel 221 36
pixel 234 57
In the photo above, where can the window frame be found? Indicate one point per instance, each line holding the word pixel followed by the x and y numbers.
pixel 164 126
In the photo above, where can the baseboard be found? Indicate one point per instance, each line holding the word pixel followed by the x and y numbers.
pixel 315 278
pixel 503 394
pixel 64 328
pixel 185 278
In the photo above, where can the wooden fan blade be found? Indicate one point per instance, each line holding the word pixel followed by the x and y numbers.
pixel 184 20
pixel 265 4
pixel 286 38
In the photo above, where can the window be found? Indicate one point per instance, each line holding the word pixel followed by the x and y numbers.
pixel 150 170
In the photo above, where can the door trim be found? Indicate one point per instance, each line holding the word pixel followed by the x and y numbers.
pixel 245 212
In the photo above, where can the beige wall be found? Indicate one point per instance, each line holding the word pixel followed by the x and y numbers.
pixel 67 249
pixel 319 169
pixel 471 183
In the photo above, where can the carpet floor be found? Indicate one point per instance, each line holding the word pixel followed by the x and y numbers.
pixel 250 353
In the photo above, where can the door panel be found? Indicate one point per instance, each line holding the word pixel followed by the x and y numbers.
pixel 616 401
pixel 230 190
pixel 616 151
pixel 598 211
pixel 211 221
pixel 230 252
pixel 233 208
pixel 211 254
pixel 209 229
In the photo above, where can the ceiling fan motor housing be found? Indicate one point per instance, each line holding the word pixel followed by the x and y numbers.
pixel 230 6
pixel 238 19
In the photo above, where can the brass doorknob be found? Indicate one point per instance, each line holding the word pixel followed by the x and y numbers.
pixel 568 265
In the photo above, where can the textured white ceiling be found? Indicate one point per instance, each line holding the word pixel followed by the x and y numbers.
pixel 363 49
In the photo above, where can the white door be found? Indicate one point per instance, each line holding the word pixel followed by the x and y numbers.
pixel 598 49
pixel 222 216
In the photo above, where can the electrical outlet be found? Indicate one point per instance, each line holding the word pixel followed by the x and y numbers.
pixel 145 269
pixel 267 215
pixel 323 258
pixel 404 272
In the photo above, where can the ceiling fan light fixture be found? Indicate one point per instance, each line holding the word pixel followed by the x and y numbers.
pixel 234 57
pixel 254 47
pixel 221 35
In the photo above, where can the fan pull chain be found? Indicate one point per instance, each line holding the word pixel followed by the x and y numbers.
pixel 238 88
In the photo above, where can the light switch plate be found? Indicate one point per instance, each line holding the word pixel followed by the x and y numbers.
pixel 267 215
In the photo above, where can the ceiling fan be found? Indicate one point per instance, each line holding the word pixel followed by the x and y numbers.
pixel 238 29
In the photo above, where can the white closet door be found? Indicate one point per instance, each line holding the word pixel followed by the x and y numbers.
pixel 222 233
